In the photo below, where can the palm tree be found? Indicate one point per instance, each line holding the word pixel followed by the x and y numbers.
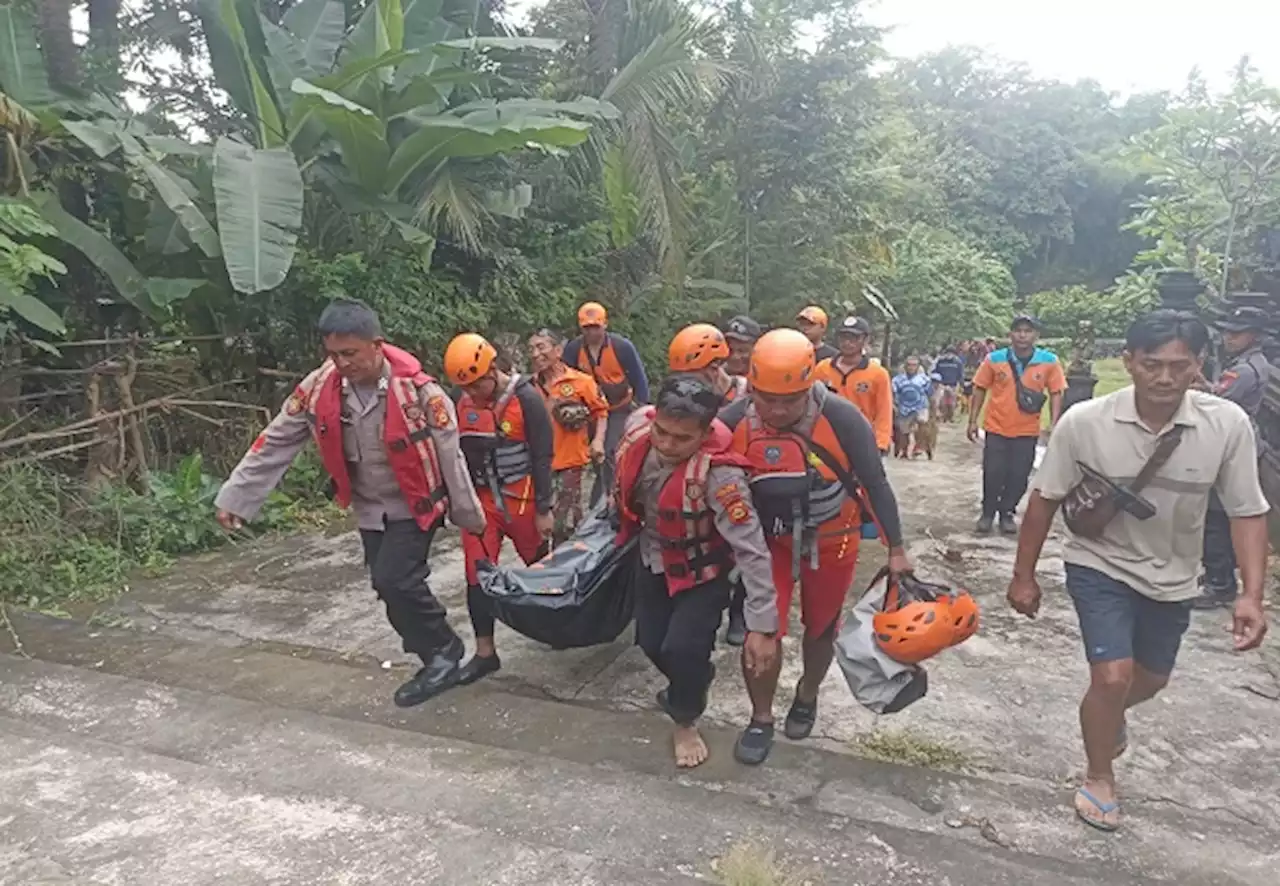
pixel 648 58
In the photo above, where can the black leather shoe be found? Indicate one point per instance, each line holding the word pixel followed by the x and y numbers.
pixel 478 667
pixel 439 674
pixel 984 525
pixel 736 633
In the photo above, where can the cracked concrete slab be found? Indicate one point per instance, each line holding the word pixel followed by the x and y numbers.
pixel 1004 702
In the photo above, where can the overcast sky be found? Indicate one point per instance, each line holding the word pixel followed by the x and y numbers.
pixel 1126 45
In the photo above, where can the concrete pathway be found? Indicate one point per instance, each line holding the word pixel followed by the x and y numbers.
pixel 236 713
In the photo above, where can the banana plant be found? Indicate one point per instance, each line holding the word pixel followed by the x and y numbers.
pixel 389 116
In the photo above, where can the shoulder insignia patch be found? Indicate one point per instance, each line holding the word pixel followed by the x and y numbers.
pixel 439 409
pixel 296 404
pixel 738 512
pixel 729 493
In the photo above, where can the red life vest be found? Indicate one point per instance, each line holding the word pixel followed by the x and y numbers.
pixel 799 497
pixel 411 452
pixel 693 551
pixel 492 438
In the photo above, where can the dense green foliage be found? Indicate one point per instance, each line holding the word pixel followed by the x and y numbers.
pixel 382 149
pixel 223 168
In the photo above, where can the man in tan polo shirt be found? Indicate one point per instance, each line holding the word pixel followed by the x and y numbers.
pixel 1133 585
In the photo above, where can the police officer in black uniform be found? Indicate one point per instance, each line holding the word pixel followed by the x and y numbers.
pixel 1243 380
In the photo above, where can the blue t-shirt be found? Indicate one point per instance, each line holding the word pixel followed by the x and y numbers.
pixel 911 393
pixel 950 368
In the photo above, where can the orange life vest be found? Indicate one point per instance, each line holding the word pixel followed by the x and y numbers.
pixel 693 551
pixel 607 372
pixel 492 439
pixel 411 452
pixel 799 497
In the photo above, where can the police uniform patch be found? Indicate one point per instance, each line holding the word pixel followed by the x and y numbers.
pixel 862 387
pixel 772 454
pixel 296 404
pixel 729 493
pixel 439 411
pixel 695 490
pixel 413 412
pixel 473 417
pixel 738 512
pixel 506 427
pixel 566 390
pixel 259 443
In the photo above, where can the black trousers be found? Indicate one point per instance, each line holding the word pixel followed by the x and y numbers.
pixel 483 621
pixel 678 634
pixel 1006 469
pixel 1219 556
pixel 398 570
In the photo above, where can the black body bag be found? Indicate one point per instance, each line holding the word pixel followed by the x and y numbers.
pixel 581 594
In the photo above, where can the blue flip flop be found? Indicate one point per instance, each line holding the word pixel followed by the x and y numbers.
pixel 1103 808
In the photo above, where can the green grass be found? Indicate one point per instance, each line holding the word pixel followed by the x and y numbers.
pixel 748 864
pixel 909 748
pixel 1111 375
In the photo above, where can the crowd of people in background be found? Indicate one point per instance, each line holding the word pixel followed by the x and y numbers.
pixel 752 474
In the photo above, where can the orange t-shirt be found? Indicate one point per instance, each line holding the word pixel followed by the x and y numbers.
pixel 572 449
pixel 1043 373
pixel 868 387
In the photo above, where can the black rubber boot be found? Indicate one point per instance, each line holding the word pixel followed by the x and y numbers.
pixel 984 525
pixel 800 719
pixel 736 633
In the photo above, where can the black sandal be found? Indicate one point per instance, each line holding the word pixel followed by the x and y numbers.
pixel 800 718
pixel 754 744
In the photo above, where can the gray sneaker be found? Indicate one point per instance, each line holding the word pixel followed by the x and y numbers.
pixel 984 525
pixel 1007 524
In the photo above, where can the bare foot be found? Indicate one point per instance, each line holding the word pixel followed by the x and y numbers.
pixel 691 750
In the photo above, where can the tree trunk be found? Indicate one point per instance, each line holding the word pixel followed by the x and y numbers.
pixel 61 55
pixel 104 42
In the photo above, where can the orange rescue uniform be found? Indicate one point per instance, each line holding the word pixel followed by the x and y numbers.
pixel 866 386
pixel 572 448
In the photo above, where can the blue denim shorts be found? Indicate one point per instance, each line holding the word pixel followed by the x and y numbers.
pixel 1116 622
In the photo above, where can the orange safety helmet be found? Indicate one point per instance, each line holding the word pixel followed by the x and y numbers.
pixel 468 358
pixel 697 347
pixel 592 314
pixel 814 315
pixel 964 617
pixel 918 621
pixel 782 362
